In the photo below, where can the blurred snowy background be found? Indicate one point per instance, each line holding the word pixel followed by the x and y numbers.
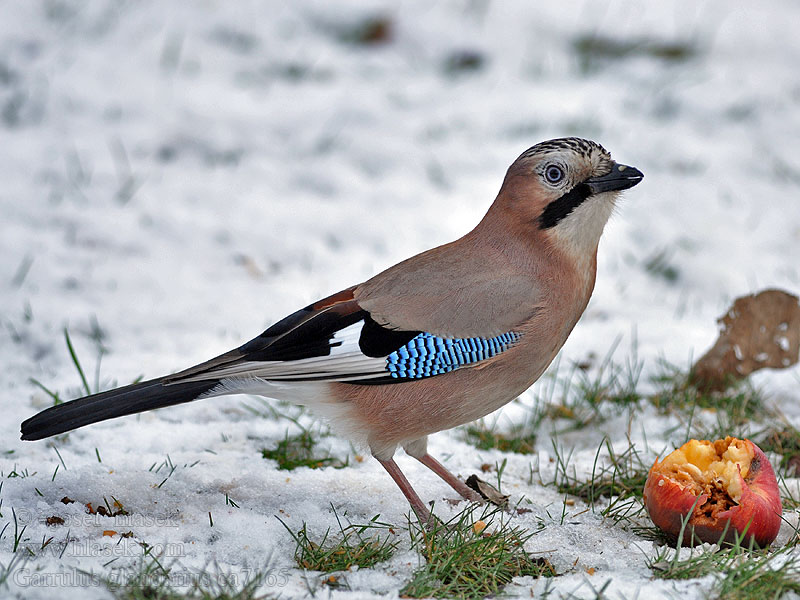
pixel 176 177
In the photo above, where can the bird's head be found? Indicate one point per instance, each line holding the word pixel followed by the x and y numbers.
pixel 565 189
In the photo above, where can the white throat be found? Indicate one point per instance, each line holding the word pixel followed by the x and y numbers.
pixel 579 232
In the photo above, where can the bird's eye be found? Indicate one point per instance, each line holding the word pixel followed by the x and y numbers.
pixel 553 174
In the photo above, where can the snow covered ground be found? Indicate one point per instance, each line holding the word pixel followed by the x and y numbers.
pixel 174 177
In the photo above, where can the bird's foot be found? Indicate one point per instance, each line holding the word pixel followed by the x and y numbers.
pixel 468 493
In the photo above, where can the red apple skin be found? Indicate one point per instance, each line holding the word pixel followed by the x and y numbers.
pixel 758 512
pixel 668 504
pixel 760 503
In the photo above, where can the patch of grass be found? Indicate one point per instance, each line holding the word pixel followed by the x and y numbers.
pixel 721 426
pixel 368 31
pixel 519 439
pixel 466 559
pixel 615 384
pixel 74 356
pixel 783 440
pixel 585 400
pixel 15 472
pixel 464 61
pixel 595 51
pixel 735 408
pixel 759 577
pixel 743 404
pixel 97 335
pixel 167 468
pixel 55 395
pixel 299 451
pixel 790 497
pixel 740 399
pixel 591 394
pixel 22 271
pixel 667 565
pixel 659 264
pixel 17 561
pixel 18 533
pixel 618 477
pixel 151 580
pixel 355 545
pixel 621 475
pixel 741 573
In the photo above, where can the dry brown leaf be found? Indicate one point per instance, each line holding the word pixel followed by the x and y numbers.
pixel 758 331
pixel 486 491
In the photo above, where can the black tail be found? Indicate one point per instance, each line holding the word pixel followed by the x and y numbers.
pixel 127 400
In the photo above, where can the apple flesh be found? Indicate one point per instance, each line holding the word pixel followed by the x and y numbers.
pixel 728 486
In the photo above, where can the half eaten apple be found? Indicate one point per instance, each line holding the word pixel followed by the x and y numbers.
pixel 728 486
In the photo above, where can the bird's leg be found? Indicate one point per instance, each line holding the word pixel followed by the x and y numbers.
pixel 419 449
pixel 422 512
pixel 454 482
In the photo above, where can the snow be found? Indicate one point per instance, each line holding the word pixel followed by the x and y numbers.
pixel 179 176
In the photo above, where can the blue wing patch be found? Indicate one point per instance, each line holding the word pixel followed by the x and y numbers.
pixel 427 355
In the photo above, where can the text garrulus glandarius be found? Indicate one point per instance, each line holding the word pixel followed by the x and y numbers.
pixel 440 339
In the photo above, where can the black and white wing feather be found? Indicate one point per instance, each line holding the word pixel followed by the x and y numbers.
pixel 331 340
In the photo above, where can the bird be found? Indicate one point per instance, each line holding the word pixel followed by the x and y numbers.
pixel 436 341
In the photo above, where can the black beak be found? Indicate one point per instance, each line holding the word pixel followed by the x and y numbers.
pixel 621 177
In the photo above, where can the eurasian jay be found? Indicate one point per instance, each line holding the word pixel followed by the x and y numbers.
pixel 438 340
